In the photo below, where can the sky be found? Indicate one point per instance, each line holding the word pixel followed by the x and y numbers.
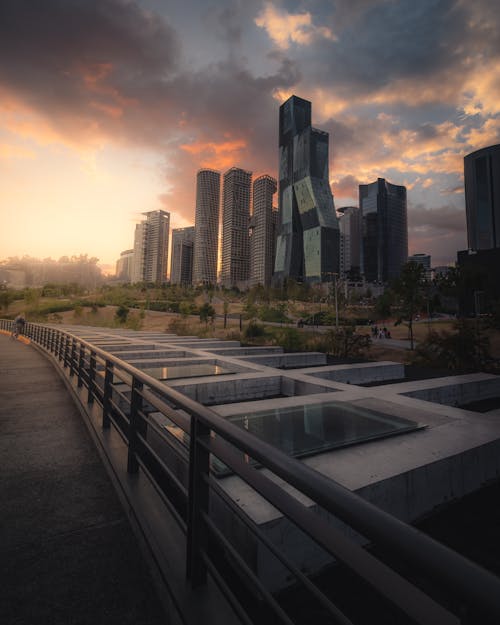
pixel 109 107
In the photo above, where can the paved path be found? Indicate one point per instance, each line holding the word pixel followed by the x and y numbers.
pixel 68 555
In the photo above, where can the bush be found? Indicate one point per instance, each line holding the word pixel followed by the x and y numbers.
pixel 464 350
pixel 344 342
pixel 273 315
pixel 290 339
pixel 178 327
pixel 254 330
pixel 121 314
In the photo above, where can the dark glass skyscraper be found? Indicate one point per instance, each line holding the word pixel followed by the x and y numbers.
pixel 308 239
pixel 385 229
pixel 482 198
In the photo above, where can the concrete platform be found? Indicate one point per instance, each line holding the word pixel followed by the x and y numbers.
pixel 408 475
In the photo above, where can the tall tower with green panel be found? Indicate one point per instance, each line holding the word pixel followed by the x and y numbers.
pixel 308 244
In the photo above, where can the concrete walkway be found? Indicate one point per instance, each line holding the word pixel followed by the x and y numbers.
pixel 68 555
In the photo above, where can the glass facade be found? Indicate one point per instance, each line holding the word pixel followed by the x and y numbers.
pixel 482 198
pixel 384 230
pixel 181 266
pixel 308 237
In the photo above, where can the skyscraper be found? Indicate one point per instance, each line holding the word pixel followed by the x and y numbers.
pixel 206 227
pixel 151 248
pixel 350 241
pixel 124 265
pixel 263 231
pixel 482 198
pixel 385 229
pixel 308 241
pixel 235 227
pixel 181 266
pixel 424 260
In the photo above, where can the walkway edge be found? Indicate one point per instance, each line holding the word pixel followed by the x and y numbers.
pixel 161 541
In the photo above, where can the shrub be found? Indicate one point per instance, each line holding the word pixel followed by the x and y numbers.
pixel 344 342
pixel 121 314
pixel 290 339
pixel 254 330
pixel 464 350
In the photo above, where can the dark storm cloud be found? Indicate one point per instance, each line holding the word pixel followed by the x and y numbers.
pixel 41 43
pixel 225 22
pixel 446 218
pixel 81 63
pixel 110 66
pixel 438 231
pixel 377 43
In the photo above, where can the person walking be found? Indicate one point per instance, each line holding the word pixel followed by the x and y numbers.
pixel 19 323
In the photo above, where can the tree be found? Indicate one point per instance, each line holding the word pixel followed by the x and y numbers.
pixel 409 289
pixel 207 311
pixel 344 342
pixel 121 314
pixel 384 304
pixel 6 298
pixel 461 350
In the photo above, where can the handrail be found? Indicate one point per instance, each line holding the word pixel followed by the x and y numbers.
pixel 468 584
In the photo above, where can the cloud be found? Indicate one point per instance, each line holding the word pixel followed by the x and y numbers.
pixel 286 28
pixel 405 89
pixel 346 187
pixel 446 218
pixel 9 152
pixel 438 231
pixel 84 66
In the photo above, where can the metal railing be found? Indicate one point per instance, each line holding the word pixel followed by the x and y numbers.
pixel 423 580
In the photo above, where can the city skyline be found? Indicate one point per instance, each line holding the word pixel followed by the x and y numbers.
pixel 114 118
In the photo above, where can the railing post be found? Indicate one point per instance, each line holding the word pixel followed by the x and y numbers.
pixel 81 361
pixel 59 345
pixel 199 468
pixel 67 352
pixel 92 367
pixel 135 407
pixel 72 358
pixel 52 346
pixel 106 400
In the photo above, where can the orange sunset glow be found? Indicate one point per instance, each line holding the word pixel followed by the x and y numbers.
pixel 108 109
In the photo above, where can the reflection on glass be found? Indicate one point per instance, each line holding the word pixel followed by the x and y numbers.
pixel 185 371
pixel 307 429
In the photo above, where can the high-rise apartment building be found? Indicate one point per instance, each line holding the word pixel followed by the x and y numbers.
pixel 124 265
pixel 385 230
pixel 181 266
pixel 350 241
pixel 206 237
pixel 263 231
pixel 307 248
pixel 139 257
pixel 482 198
pixel 235 227
pixel 151 248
